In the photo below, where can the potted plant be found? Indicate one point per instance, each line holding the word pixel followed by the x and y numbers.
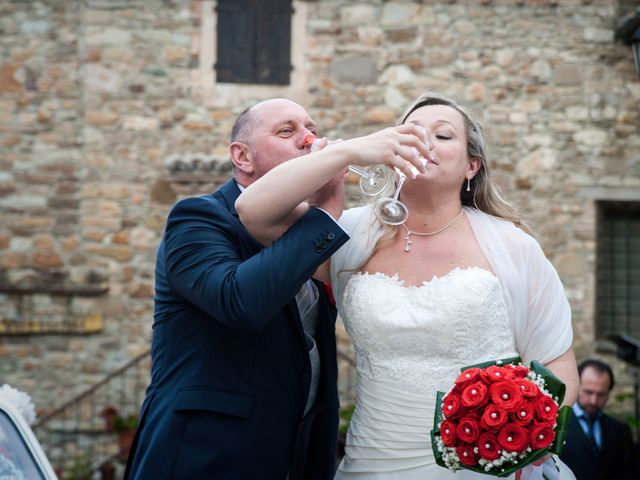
pixel 124 426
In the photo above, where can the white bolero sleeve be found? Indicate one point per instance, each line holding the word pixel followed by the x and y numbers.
pixel 539 310
pixel 364 230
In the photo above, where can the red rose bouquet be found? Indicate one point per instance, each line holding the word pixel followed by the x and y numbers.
pixel 499 417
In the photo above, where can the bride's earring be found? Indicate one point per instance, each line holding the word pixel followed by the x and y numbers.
pixel 468 184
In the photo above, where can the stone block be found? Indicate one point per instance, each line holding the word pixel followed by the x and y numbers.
pixel 401 34
pixel 120 238
pixel 395 13
pixel 43 242
pixel 598 35
pixel 101 118
pixel 120 253
pixel 162 192
pixel 569 265
pixel 397 75
pixel 70 244
pixel 99 79
pixel 174 55
pixel 587 138
pixel 97 36
pixel 23 202
pixel 12 260
pixel 46 260
pixel 355 69
pixel 360 14
pixel 63 202
pixel 370 35
pixel 140 123
pixel 476 92
pixel 8 81
pixel 141 290
pixel 197 125
pixel 381 115
pixel 567 74
pixel 10 139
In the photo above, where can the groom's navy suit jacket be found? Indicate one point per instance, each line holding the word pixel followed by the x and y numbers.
pixel 231 369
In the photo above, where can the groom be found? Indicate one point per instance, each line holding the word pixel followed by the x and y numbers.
pixel 244 357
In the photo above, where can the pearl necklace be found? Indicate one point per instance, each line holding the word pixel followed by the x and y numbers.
pixel 407 237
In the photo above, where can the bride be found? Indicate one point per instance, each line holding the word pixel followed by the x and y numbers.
pixel 459 283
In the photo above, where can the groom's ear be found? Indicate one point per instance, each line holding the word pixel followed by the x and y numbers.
pixel 241 157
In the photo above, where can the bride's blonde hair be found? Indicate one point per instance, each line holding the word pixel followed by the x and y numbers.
pixel 483 194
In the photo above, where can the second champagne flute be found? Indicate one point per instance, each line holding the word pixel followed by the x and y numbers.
pixel 373 180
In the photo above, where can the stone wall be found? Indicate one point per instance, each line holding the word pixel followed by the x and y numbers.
pixel 109 114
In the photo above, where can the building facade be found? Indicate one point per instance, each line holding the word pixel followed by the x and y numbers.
pixel 110 111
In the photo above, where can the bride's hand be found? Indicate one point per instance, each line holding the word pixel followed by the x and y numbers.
pixel 396 147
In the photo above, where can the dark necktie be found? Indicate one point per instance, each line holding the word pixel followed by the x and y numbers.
pixel 591 423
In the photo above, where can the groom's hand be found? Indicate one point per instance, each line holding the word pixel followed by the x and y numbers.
pixel 330 197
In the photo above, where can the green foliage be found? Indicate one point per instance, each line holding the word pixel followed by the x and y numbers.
pixel 124 423
pixel 80 470
pixel 345 418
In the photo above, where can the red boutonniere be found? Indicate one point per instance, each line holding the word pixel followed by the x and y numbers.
pixel 329 291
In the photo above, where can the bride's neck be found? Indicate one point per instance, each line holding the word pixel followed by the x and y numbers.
pixel 425 215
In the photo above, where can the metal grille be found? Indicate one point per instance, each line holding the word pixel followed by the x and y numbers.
pixel 618 269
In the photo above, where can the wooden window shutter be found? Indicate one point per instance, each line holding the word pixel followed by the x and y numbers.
pixel 618 269
pixel 254 41
pixel 235 41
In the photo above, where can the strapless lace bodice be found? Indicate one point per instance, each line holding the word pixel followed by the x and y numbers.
pixel 420 336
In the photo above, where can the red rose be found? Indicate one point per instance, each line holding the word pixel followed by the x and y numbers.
pixel 524 413
pixel 493 417
pixel 468 429
pixel 519 371
pixel 468 376
pixel 452 407
pixel 466 455
pixel 505 395
pixel 448 433
pixel 488 446
pixel 527 388
pixel 474 395
pixel 497 374
pixel 546 408
pixel 513 438
pixel 542 435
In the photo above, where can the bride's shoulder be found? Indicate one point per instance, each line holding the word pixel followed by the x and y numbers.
pixel 357 216
pixel 510 233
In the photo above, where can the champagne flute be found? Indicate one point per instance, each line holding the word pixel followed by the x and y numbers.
pixel 390 210
pixel 373 180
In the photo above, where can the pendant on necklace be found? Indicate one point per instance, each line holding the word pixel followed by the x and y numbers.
pixel 407 239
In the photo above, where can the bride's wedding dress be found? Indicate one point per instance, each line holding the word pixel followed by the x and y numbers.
pixel 410 342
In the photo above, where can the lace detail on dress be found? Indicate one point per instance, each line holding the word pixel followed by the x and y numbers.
pixel 419 336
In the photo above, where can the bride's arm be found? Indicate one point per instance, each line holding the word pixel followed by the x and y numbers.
pixel 564 367
pixel 272 203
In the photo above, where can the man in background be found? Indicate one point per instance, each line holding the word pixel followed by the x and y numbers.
pixel 598 447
